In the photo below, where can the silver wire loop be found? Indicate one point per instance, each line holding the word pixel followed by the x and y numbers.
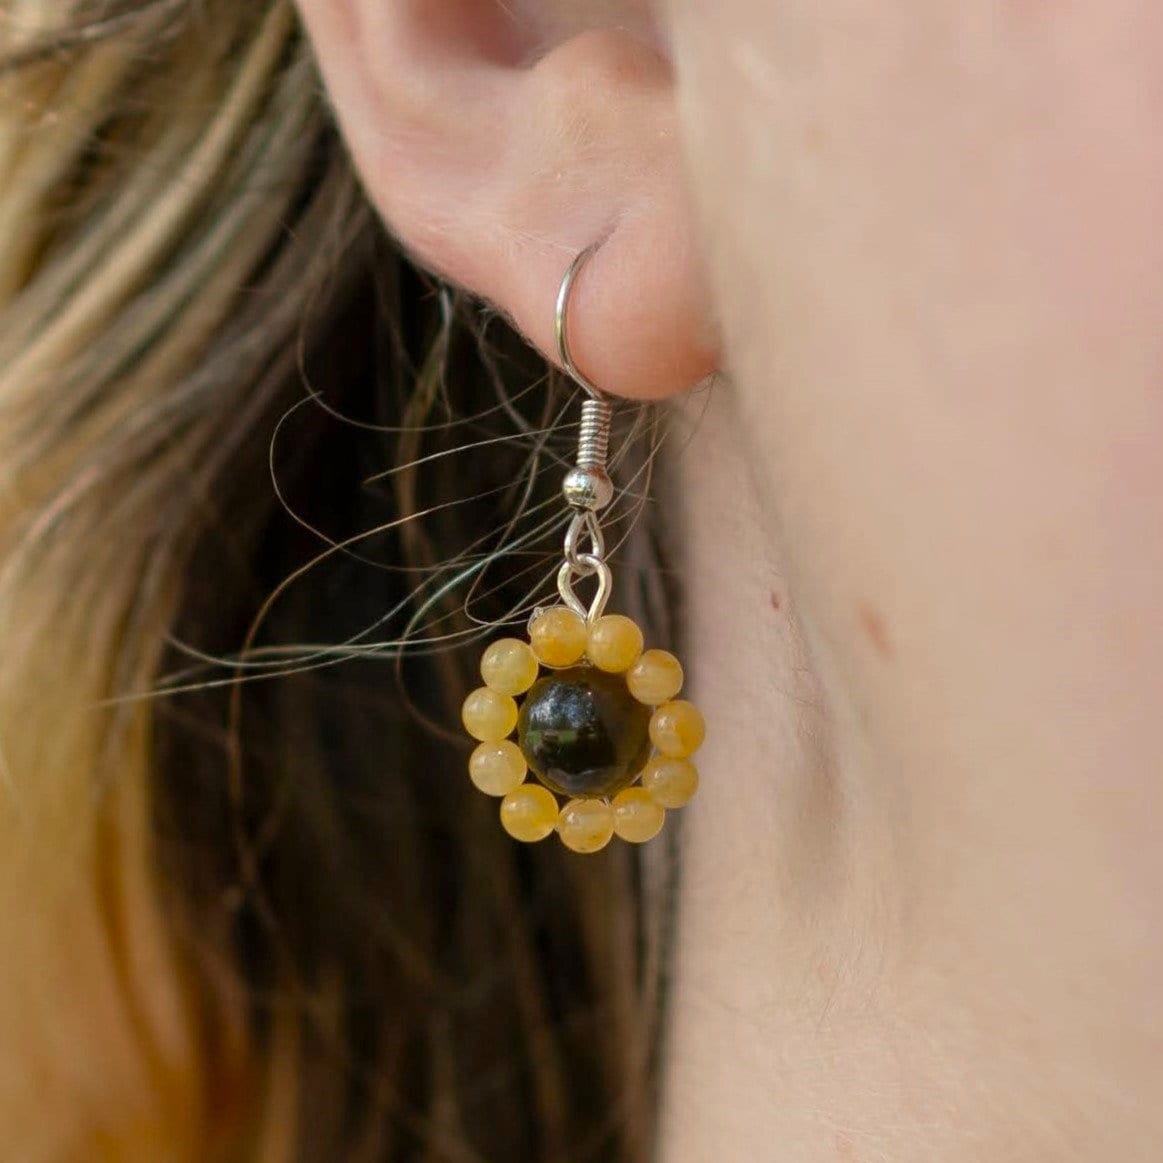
pixel 584 524
pixel 596 566
pixel 561 323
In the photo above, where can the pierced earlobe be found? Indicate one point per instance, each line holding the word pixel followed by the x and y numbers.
pixel 489 169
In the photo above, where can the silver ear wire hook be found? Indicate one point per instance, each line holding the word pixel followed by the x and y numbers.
pixel 587 487
pixel 561 327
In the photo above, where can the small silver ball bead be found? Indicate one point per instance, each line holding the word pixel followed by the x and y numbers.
pixel 588 488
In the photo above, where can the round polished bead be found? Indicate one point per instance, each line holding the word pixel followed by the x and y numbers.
pixel 677 729
pixel 497 768
pixel 488 715
pixel 672 783
pixel 655 678
pixel 614 643
pixel 637 817
pixel 558 636
pixel 589 489
pixel 529 813
pixel 582 732
pixel 509 667
pixel 586 825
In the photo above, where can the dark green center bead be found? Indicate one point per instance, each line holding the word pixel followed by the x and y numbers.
pixel 583 733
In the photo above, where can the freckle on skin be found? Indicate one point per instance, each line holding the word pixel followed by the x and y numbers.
pixel 844 1148
pixel 873 625
pixel 814 137
pixel 776 601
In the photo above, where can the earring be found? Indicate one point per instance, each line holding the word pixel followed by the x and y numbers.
pixel 599 723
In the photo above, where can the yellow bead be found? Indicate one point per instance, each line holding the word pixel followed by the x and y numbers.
pixel 677 729
pixel 614 644
pixel 497 768
pixel 509 667
pixel 670 782
pixel 558 636
pixel 529 813
pixel 586 825
pixel 489 716
pixel 655 677
pixel 637 817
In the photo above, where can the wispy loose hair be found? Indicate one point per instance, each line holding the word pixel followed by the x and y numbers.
pixel 262 485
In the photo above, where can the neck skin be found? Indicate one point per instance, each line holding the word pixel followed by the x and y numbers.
pixel 760 769
pixel 762 841
pixel 841 993
pixel 921 907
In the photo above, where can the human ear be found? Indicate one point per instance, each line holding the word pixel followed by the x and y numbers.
pixel 496 158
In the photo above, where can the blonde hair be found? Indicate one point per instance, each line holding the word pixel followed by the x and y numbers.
pixel 172 200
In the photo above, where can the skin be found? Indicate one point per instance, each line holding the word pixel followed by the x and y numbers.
pixel 923 511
